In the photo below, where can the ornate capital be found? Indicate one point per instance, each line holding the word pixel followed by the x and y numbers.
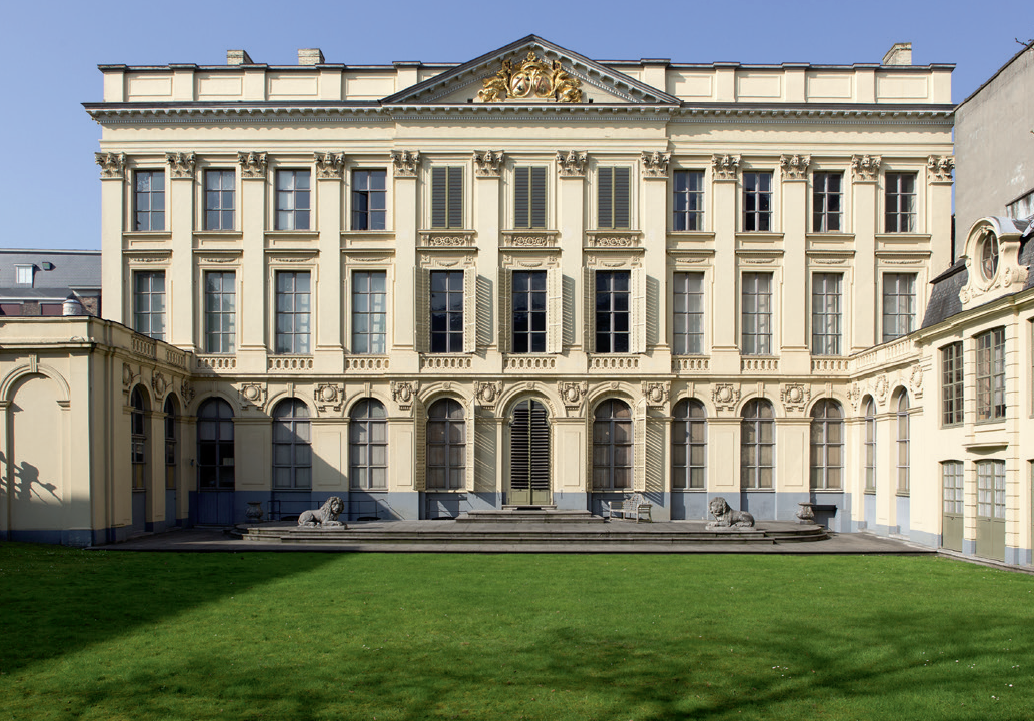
pixel 329 166
pixel 573 393
pixel 865 168
pixel 725 396
pixel 725 167
pixel 181 165
pixel 487 393
pixel 795 167
pixel 795 396
pixel 571 163
pixel 403 393
pixel 940 168
pixel 113 165
pixel 656 393
pixel 329 396
pixel 655 164
pixel 253 164
pixel 532 78
pixel 405 162
pixel 488 163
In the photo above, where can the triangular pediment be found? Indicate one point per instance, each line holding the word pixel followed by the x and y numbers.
pixel 531 71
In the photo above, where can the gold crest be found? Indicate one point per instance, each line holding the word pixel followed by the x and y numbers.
pixel 533 78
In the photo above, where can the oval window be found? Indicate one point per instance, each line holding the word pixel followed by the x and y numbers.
pixel 989 256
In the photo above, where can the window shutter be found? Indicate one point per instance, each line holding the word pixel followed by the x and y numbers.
pixel 538 198
pixel 422 314
pixel 438 192
pixel 638 344
pixel 589 321
pixel 520 197
pixel 622 197
pixel 471 434
pixel 539 451
pixel 605 198
pixel 639 453
pixel 655 445
pixel 420 441
pixel 520 463
pixel 505 309
pixel 469 310
pixel 455 198
pixel 554 311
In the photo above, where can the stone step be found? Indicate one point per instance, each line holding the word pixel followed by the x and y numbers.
pixel 524 514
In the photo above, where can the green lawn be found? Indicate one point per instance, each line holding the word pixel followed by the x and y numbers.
pixel 116 635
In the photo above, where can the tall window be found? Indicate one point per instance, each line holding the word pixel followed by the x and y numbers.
pixel 612 442
pixel 826 202
pixel 689 200
pixel 688 445
pixel 529 311
pixel 170 443
pixel 991 375
pixel 756 314
pixel 138 438
pixel 952 483
pixel 529 197
pixel 446 311
pixel 825 313
pixel 688 316
pixel 951 384
pixel 827 446
pixel 369 198
pixel 149 303
pixel 757 201
pixel 220 311
pixel 614 198
pixel 149 200
pixel 446 197
pixel 613 313
pixel 446 446
pixel 757 445
pixel 215 459
pixel 900 203
pixel 369 311
pixel 991 489
pixel 219 189
pixel 292 311
pixel 903 440
pixel 529 453
pixel 870 446
pixel 292 452
pixel 292 200
pixel 368 447
pixel 899 305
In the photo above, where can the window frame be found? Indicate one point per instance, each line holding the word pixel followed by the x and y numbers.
pixel 293 421
pixel 221 194
pixel 869 414
pixel 608 193
pixel 689 421
pixel 821 197
pixel 990 375
pixel 613 313
pixel 903 440
pixel 535 183
pixel 361 219
pixel 692 197
pixel 752 306
pixel 603 426
pixel 223 413
pixel 22 268
pixel 531 335
pixel 823 341
pixel 900 205
pixel 452 337
pixel 226 339
pixel 369 314
pixel 453 201
pixel 692 314
pixel 149 313
pixel 891 308
pixel 291 346
pixel 753 421
pixel 360 419
pixel 991 496
pixel 155 218
pixel 287 218
pixel 451 467
pixel 760 218
pixel 954 470
pixel 823 445
pixel 953 380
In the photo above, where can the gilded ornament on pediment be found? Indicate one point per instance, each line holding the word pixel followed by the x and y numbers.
pixel 533 78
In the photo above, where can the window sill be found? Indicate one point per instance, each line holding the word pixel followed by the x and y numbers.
pixel 282 235
pixel 903 237
pixel 869 492
pixel 446 238
pixel 759 235
pixel 757 490
pixel 831 491
pixel 289 362
pixel 616 239
pixel 689 490
pixel 613 361
pixel 353 235
pixel 445 361
pixel 837 236
pixel 691 234
pixel 218 235
pixel 690 362
pixel 902 494
pixel 144 235
pixel 529 361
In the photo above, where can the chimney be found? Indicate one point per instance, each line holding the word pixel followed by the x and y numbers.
pixel 238 57
pixel 900 54
pixel 310 56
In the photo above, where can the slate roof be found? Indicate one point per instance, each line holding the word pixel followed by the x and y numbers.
pixel 78 269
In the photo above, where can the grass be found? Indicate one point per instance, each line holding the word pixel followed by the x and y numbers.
pixel 117 635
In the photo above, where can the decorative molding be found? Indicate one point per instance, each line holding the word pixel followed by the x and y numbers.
pixel 329 166
pixel 159 385
pixel 724 167
pixel 655 164
pixel 530 79
pixel 253 164
pixel 572 163
pixel 865 168
pixel 252 394
pixel 446 238
pixel 127 375
pixel 656 392
pixel 529 238
pixel 940 168
pixel 573 393
pixel 725 396
pixel 488 163
pixel 613 238
pixel 405 163
pixel 147 256
pixel 487 393
pixel 881 388
pixel 795 396
pixel 113 165
pixel 854 394
pixel 795 167
pixel 915 380
pixel 329 396
pixel 181 165
pixel 403 393
pixel 186 391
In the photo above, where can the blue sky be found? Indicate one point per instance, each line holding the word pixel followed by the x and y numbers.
pixel 50 52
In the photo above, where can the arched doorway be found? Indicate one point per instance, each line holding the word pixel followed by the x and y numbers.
pixel 215 463
pixel 171 457
pixel 530 478
pixel 139 452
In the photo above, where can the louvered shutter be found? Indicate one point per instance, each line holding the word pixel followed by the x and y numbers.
pixel 654 462
pixel 505 309
pixel 520 197
pixel 554 311
pixel 589 321
pixel 538 445
pixel 438 197
pixel 455 198
pixel 420 443
pixel 622 197
pixel 520 464
pixel 605 198
pixel 422 311
pixel 638 344
pixel 470 433
pixel 639 453
pixel 469 310
pixel 538 198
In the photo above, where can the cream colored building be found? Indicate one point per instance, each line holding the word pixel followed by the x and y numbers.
pixel 529 279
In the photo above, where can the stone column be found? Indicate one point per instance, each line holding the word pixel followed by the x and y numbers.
pixel 251 356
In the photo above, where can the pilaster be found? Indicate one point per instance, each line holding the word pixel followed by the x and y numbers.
pixel 724 218
pixel 655 228
pixel 486 205
pixel 251 357
pixel 570 215
pixel 329 355
pixel 405 167
pixel 795 356
pixel 179 286
pixel 113 169
pixel 865 174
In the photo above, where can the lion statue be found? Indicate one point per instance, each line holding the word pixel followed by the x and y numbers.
pixel 726 517
pixel 326 516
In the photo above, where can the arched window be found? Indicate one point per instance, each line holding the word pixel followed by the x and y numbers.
pixel 870 446
pixel 446 446
pixel 827 446
pixel 170 443
pixel 215 446
pixel 292 452
pixel 688 445
pixel 903 460
pixel 612 439
pixel 138 438
pixel 757 445
pixel 368 447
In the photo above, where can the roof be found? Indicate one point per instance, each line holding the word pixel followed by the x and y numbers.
pixel 79 269
pixel 997 73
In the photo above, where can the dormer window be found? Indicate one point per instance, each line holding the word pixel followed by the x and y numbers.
pixel 23 274
pixel 989 255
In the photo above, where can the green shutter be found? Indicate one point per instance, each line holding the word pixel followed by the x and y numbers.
pixel 520 198
pixel 469 311
pixel 505 306
pixel 605 197
pixel 438 197
pixel 455 197
pixel 420 445
pixel 538 198
pixel 538 456
pixel 622 199
pixel 422 314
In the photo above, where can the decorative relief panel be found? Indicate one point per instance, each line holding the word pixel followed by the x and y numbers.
pixel 940 168
pixel 487 393
pixel 405 163
pixel 795 396
pixel 655 164
pixel 252 394
pixel 865 168
pixel 181 165
pixel 915 380
pixel 113 165
pixel 881 388
pixel 488 163
pixel 127 376
pixel 725 396
pixel 656 393
pixel 532 78
pixel 186 391
pixel 253 164
pixel 403 393
pixel 724 167
pixel 795 167
pixel 329 166
pixel 447 238
pixel 159 384
pixel 613 239
pixel 529 238
pixel 854 394
pixel 572 163
pixel 329 396
pixel 573 393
